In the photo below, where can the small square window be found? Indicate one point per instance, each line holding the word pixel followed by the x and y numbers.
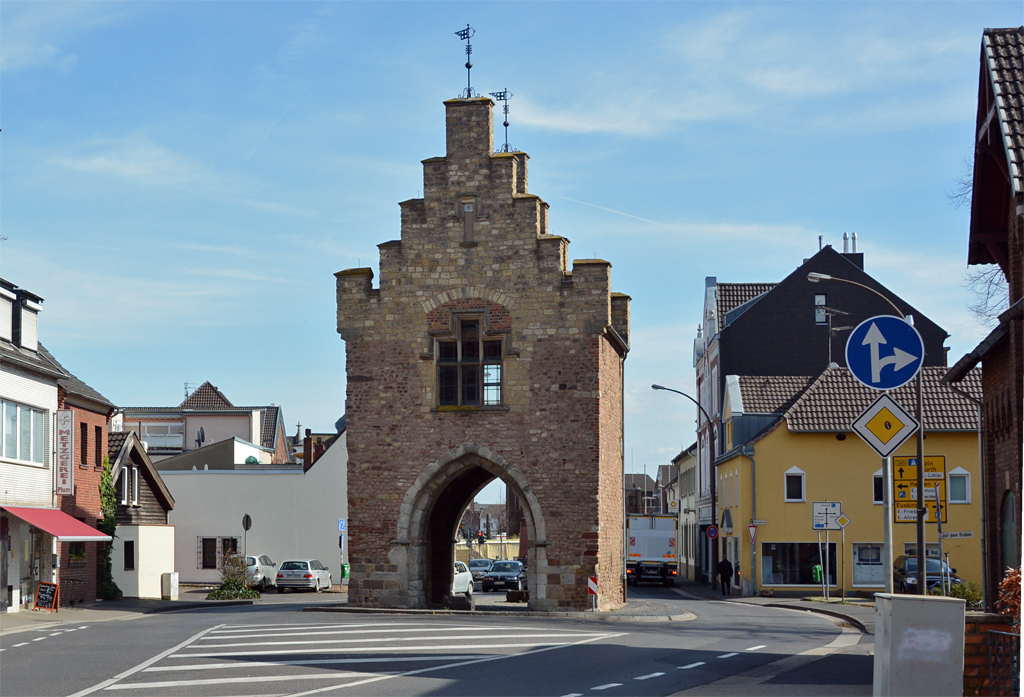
pixel 959 488
pixel 795 485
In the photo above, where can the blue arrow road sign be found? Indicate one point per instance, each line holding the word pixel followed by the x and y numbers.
pixel 884 352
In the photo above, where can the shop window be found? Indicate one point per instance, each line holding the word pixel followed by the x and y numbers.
pixel 959 486
pixel 792 563
pixel 469 369
pixel 129 555
pixel 795 485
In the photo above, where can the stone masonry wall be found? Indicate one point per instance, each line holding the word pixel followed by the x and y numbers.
pixel 556 437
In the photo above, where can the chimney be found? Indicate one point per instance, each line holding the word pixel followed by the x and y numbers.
pixel 853 238
pixel 846 243
pixel 307 450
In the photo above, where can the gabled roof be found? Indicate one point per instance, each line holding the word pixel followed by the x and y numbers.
pixel 72 385
pixel 771 394
pixel 732 295
pixel 206 396
pixel 130 449
pixel 836 399
pixel 25 359
pixel 1003 51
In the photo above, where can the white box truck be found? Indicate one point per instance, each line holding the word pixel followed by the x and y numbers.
pixel 651 552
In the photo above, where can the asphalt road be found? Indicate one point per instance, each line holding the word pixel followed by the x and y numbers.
pixel 729 649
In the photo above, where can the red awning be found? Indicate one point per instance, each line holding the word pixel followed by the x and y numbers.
pixel 59 524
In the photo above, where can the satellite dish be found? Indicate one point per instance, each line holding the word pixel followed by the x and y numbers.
pixel 200 437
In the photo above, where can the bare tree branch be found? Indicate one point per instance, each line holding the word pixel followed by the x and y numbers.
pixel 963 188
pixel 991 292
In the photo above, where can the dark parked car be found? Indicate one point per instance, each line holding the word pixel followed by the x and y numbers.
pixel 904 574
pixel 507 575
pixel 479 568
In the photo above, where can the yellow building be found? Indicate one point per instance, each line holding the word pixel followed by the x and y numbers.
pixel 789 443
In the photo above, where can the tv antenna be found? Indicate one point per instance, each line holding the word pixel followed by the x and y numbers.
pixel 465 35
pixel 504 96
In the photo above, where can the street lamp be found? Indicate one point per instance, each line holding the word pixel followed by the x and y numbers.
pixel 922 587
pixel 712 476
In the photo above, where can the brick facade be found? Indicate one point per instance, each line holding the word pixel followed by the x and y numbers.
pixel 477 246
pixel 77 577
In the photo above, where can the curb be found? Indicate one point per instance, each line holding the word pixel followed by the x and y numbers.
pixel 197 606
pixel 853 621
pixel 573 615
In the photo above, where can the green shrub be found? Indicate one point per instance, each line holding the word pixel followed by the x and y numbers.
pixel 969 591
pixel 234 580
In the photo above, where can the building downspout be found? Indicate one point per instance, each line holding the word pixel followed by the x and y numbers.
pixel 622 482
pixel 748 452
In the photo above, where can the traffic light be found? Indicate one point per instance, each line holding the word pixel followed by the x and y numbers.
pixel 480 537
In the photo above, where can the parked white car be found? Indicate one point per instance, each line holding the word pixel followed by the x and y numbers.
pixel 462 583
pixel 303 573
pixel 262 571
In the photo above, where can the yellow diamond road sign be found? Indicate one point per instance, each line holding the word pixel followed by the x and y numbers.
pixel 885 426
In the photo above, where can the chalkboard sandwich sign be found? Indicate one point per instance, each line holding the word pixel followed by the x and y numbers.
pixel 46 597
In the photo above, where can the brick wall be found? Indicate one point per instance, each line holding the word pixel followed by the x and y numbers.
pixel 977 625
pixel 78 579
pixel 556 437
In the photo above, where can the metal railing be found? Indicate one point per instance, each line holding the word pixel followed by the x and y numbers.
pixel 1004 663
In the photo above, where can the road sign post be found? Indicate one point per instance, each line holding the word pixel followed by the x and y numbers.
pixel 885 352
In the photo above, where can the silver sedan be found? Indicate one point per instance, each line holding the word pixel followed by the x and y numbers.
pixel 309 574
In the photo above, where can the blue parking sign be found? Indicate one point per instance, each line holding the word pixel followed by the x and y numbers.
pixel 884 352
pixel 341 524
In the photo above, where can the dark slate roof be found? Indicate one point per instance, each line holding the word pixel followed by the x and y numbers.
pixel 732 295
pixel 29 360
pixel 771 394
pixel 836 399
pixel 71 384
pixel 206 396
pixel 1004 56
pixel 115 441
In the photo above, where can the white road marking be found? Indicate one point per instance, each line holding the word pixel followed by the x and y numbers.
pixel 336 630
pixel 692 665
pixel 728 655
pixel 310 662
pixel 574 694
pixel 648 677
pixel 24 643
pixel 39 638
pixel 420 671
pixel 755 648
pixel 385 639
pixel 609 685
pixel 85 627
pixel 145 664
pixel 376 649
pixel 224 681
pixel 245 627
pixel 55 634
pixel 71 630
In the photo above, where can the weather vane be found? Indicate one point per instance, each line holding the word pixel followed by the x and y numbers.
pixel 466 34
pixel 504 96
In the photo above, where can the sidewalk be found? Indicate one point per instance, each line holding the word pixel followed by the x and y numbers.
pixel 858 612
pixel 133 608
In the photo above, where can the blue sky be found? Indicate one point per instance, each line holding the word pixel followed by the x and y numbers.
pixel 180 180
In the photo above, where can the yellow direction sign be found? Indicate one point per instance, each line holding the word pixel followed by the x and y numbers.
pixel 885 426
pixel 904 474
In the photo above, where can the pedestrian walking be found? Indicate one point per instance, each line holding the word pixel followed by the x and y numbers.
pixel 725 575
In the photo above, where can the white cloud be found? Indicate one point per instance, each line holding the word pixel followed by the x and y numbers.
pixel 35 34
pixel 140 161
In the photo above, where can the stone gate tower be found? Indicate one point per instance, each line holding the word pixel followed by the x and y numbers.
pixel 482 355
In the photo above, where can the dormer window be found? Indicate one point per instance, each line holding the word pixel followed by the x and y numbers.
pixel 469 368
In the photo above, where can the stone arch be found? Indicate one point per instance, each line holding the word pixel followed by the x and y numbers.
pixel 431 509
pixel 447 296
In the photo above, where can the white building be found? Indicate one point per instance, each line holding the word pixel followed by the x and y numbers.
pixel 295 509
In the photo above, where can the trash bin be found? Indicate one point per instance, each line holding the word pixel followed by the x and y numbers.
pixel 169 586
pixel 345 569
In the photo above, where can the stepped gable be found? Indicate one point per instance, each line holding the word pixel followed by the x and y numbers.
pixel 836 399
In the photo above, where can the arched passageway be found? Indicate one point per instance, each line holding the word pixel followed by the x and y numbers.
pixel 433 507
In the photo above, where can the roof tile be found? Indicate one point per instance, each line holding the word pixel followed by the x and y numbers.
pixel 771 394
pixel 732 295
pixel 206 396
pixel 836 399
pixel 1004 54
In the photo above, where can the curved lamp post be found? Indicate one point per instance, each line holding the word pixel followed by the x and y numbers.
pixel 713 475
pixel 887 555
